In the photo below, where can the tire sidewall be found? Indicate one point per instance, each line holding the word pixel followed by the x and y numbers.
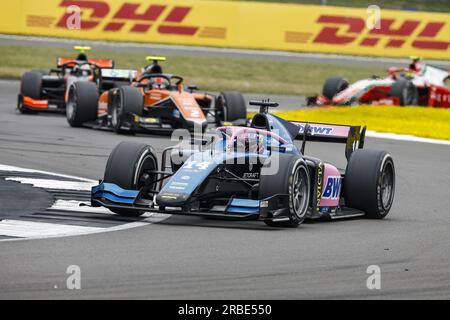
pixel 82 104
pixel 118 160
pixel 382 210
pixel 362 182
pixel 281 182
pixel 332 86
pixel 147 153
pixel 231 106
pixel 119 114
pixel 31 84
pixel 71 106
pixel 298 165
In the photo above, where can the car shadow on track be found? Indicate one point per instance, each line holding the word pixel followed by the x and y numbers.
pixel 257 225
pixel 242 225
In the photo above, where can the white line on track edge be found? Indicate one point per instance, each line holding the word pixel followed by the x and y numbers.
pixel 9 168
pixel 404 137
pixel 149 219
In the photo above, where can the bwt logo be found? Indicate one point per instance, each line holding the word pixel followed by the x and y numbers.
pixel 343 30
pixel 93 14
pixel 316 130
pixel 333 188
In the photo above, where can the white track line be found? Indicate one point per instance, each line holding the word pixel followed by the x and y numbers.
pixel 80 206
pixel 54 184
pixel 31 230
pixel 9 168
pixel 405 137
pixel 27 229
pixel 42 230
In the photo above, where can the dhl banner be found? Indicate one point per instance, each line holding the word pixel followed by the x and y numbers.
pixel 234 24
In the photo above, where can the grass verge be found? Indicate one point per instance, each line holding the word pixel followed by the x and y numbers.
pixel 210 73
pixel 417 121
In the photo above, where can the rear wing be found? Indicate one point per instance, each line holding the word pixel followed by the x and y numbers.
pixel 352 136
pixel 102 63
pixel 435 75
pixel 119 74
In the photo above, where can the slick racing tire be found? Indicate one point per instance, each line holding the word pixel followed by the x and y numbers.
pixel 292 178
pixel 82 104
pixel 406 91
pixel 333 86
pixel 231 106
pixel 128 166
pixel 31 84
pixel 369 182
pixel 129 102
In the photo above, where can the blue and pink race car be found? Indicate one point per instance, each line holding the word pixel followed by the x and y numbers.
pixel 255 172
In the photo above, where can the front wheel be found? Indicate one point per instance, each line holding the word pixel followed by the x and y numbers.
pixel 333 86
pixel 130 166
pixel 369 182
pixel 231 107
pixel 82 104
pixel 128 103
pixel 405 91
pixel 31 85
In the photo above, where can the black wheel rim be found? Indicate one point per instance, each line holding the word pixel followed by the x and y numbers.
pixel 409 94
pixel 387 185
pixel 116 113
pixel 144 174
pixel 300 192
pixel 222 108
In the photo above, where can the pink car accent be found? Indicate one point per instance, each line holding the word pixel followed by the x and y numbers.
pixel 332 183
pixel 234 131
pixel 339 131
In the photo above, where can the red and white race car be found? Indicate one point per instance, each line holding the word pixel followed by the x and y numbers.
pixel 419 84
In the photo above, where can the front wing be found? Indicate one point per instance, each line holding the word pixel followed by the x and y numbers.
pixel 273 208
pixel 113 197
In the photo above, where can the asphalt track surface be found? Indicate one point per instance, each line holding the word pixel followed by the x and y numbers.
pixel 190 257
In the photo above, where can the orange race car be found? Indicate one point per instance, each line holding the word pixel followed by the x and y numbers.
pixel 48 90
pixel 153 101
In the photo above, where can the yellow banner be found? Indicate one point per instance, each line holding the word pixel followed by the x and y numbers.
pixel 235 24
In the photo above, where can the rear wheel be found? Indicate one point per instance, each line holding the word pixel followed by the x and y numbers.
pixel 333 86
pixel 369 182
pixel 292 178
pixel 231 106
pixel 82 103
pixel 130 101
pixel 406 91
pixel 129 166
